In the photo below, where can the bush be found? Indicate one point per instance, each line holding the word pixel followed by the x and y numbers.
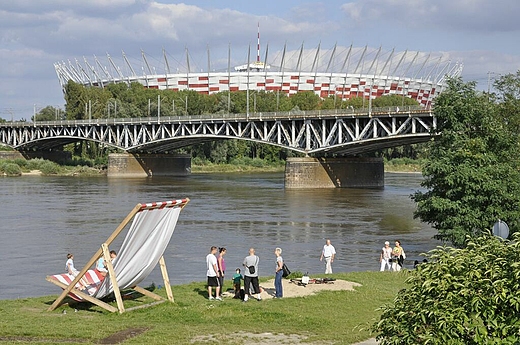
pixel 34 164
pixel 258 163
pixel 49 168
pixel 21 162
pixel 241 161
pixel 11 169
pixel 461 296
pixel 198 161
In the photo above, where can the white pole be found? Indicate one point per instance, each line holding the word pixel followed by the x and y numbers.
pixel 158 106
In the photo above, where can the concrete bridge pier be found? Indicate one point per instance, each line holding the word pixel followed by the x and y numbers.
pixel 143 165
pixel 348 172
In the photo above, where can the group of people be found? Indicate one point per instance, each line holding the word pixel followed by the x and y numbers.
pixel 392 259
pixel 101 267
pixel 216 269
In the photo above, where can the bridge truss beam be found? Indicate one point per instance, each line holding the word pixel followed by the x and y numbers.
pixel 311 135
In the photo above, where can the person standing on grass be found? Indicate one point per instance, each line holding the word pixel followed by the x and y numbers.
pixel 212 274
pixel 221 263
pixel 386 257
pixel 251 275
pixel 328 252
pixel 237 280
pixel 398 256
pixel 278 287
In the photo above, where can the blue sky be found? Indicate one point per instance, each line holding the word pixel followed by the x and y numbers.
pixel 481 34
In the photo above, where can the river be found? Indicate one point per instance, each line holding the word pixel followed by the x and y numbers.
pixel 44 218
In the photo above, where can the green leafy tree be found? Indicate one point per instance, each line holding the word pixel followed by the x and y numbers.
pixel 357 102
pixel 471 171
pixel 49 113
pixel 305 100
pixel 464 296
pixel 332 102
pixel 75 100
pixel 392 101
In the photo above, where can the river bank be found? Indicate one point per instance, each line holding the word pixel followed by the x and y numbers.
pixel 63 170
pixel 193 319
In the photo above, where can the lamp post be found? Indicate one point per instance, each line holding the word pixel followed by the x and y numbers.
pixel 254 103
pixel 489 81
pixel 185 101
pixel 90 109
pixel 158 107
pixel 35 109
pixel 370 98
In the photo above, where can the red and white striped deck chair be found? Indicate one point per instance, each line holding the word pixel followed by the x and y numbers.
pixel 89 283
pixel 142 249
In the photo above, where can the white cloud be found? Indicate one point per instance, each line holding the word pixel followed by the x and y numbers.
pixel 465 15
pixel 35 34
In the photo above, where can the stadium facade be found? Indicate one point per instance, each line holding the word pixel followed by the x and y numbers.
pixel 342 72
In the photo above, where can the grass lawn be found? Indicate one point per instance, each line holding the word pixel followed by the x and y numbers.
pixel 332 317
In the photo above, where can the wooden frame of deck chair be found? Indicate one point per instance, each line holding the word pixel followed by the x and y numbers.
pixel 142 249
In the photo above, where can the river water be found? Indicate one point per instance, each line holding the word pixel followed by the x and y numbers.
pixel 44 218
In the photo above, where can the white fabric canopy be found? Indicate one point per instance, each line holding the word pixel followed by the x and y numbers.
pixel 142 248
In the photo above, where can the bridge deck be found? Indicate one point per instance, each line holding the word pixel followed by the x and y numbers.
pixel 346 131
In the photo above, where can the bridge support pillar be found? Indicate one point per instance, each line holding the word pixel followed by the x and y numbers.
pixel 143 165
pixel 349 172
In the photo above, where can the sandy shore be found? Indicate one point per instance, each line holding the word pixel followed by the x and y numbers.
pixel 294 290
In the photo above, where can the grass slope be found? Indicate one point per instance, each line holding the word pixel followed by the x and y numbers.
pixel 333 317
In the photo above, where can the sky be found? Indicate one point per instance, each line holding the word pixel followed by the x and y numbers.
pixel 481 34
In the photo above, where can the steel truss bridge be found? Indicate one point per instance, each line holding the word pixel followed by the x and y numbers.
pixel 314 133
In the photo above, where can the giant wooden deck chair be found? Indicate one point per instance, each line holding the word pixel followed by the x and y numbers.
pixel 142 249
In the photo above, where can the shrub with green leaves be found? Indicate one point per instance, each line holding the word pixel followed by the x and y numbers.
pixel 49 168
pixel 21 162
pixel 461 296
pixel 11 169
pixel 35 163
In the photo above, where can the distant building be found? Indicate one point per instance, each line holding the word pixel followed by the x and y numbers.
pixel 353 72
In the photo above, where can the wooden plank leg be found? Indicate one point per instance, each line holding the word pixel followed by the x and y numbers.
pixel 113 279
pixel 166 279
pixel 83 295
pixel 148 293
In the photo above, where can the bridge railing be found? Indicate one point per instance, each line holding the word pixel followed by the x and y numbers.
pixel 255 116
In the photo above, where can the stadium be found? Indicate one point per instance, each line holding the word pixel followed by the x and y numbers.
pixel 342 72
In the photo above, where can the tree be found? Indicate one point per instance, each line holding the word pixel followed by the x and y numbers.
pixel 393 100
pixel 472 167
pixel 49 113
pixel 75 98
pixel 305 100
pixel 461 296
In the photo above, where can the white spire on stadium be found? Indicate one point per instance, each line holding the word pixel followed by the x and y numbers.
pixel 256 65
